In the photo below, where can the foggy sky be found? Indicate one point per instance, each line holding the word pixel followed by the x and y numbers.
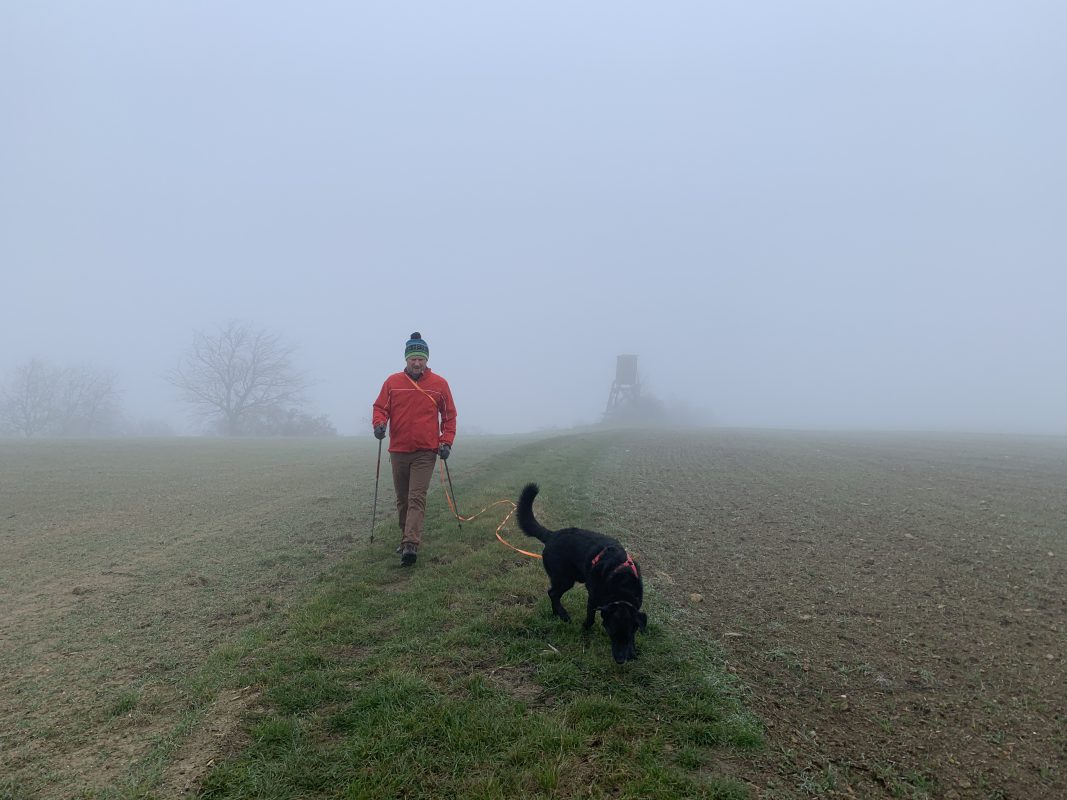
pixel 822 214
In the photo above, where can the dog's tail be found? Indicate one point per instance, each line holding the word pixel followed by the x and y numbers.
pixel 530 526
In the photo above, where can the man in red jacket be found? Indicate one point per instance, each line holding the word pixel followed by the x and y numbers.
pixel 417 406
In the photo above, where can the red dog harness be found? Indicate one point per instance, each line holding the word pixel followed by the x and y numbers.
pixel 629 562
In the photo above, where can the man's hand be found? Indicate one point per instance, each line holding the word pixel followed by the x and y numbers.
pixel 379 431
pixel 443 451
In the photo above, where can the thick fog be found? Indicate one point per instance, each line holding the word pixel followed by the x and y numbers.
pixel 822 214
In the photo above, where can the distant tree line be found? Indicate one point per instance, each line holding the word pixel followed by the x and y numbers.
pixel 276 421
pixel 237 380
pixel 649 411
pixel 40 399
pixel 638 411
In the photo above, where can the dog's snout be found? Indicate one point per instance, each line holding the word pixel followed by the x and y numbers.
pixel 627 652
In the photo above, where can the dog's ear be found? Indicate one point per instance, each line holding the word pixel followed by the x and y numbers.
pixel 642 619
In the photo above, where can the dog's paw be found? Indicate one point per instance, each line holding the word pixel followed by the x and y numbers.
pixel 563 615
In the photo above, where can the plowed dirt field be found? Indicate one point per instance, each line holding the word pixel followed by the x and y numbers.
pixel 897 604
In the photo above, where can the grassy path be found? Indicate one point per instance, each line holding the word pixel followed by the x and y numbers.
pixel 451 679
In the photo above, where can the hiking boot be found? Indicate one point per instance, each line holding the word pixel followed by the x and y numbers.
pixel 407 556
pixel 399 548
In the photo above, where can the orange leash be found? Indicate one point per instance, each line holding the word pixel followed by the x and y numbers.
pixel 452 502
pixel 500 527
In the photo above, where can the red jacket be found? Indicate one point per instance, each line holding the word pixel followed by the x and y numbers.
pixel 413 408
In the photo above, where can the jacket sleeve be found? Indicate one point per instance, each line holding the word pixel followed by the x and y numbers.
pixel 380 413
pixel 448 415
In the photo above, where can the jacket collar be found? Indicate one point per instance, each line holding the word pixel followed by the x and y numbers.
pixel 425 372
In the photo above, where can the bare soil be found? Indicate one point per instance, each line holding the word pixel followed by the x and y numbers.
pixel 216 736
pixel 896 604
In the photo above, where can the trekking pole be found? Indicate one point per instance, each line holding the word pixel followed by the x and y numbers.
pixel 452 492
pixel 377 471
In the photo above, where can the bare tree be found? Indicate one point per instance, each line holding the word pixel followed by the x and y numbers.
pixel 87 402
pixel 235 374
pixel 42 400
pixel 28 399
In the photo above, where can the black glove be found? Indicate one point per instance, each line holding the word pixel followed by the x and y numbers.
pixel 443 451
pixel 379 431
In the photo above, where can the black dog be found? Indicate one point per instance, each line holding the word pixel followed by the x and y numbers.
pixel 611 577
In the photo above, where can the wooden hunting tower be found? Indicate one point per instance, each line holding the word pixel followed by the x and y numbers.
pixel 626 389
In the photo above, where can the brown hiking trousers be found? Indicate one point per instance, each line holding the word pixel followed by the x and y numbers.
pixel 411 479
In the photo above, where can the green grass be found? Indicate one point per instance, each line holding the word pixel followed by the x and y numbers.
pixel 452 679
pixel 125 703
pixel 151 583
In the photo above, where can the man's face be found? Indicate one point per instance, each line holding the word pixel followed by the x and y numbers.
pixel 416 364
